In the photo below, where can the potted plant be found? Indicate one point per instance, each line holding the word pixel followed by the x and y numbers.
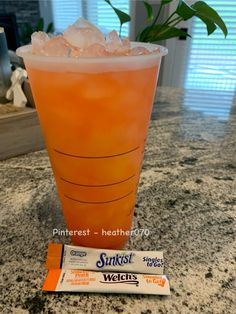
pixel 156 31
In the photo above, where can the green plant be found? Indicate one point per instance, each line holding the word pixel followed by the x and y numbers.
pixel 27 30
pixel 157 31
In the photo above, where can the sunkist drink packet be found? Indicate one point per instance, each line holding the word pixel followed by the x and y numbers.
pixel 83 258
pixel 71 269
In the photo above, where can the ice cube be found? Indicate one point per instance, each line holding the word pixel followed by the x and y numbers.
pixel 75 52
pixel 124 48
pixel 137 51
pixel 56 46
pixel 126 44
pixel 95 50
pixel 83 34
pixel 113 38
pixel 113 41
pixel 116 46
pixel 83 23
pixel 38 39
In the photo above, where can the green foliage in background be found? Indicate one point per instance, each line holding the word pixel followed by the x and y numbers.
pixel 157 31
pixel 27 30
pixel 123 17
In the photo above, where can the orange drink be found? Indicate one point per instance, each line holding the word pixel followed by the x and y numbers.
pixel 94 114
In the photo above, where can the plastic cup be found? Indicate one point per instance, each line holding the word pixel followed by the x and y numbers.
pixel 95 113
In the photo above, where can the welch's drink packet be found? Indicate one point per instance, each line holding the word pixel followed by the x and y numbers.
pixel 69 280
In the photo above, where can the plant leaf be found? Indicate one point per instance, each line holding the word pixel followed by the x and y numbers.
pixel 160 32
pixel 163 2
pixel 40 25
pixel 185 11
pixel 142 35
pixel 211 27
pixel 49 28
pixel 28 29
pixel 25 33
pixel 123 17
pixel 204 11
pixel 149 11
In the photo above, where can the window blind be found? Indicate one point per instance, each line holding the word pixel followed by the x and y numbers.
pixel 65 13
pixel 211 63
pixel 97 12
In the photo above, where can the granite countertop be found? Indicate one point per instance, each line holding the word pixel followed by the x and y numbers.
pixel 187 199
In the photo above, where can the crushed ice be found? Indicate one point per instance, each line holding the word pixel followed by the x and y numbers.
pixel 83 39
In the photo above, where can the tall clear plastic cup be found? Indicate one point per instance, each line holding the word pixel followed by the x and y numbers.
pixel 95 113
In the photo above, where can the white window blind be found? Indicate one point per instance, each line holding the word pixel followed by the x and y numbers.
pixel 211 63
pixel 97 12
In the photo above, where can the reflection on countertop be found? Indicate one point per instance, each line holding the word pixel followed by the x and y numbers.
pixel 201 114
pixel 186 199
pixel 215 104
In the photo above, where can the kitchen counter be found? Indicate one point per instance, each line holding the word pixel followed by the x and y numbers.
pixel 186 199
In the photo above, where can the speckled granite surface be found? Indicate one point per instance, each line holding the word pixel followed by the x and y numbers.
pixel 187 199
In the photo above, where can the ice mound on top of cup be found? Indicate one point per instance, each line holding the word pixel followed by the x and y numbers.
pixel 83 34
pixel 83 39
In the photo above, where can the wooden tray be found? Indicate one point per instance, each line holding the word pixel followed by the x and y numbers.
pixel 20 133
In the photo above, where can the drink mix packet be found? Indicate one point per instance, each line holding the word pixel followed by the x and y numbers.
pixel 62 256
pixel 105 282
